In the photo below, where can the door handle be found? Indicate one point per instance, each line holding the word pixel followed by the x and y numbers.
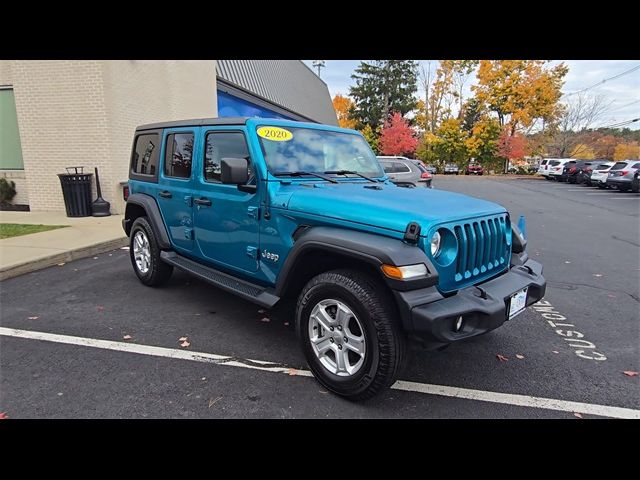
pixel 165 194
pixel 202 201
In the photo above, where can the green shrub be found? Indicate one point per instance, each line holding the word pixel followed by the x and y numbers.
pixel 7 190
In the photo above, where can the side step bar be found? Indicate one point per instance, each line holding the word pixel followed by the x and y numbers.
pixel 254 293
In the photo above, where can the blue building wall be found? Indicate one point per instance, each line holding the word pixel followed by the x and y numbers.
pixel 230 106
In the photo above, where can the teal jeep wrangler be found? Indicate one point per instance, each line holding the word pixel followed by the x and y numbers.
pixel 301 216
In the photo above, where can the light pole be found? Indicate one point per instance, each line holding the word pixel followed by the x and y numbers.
pixel 318 64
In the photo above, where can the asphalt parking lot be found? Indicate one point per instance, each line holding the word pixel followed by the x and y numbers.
pixel 63 351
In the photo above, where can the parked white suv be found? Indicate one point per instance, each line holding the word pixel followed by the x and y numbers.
pixel 599 175
pixel 553 167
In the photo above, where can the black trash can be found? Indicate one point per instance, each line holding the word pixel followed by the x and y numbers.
pixel 76 189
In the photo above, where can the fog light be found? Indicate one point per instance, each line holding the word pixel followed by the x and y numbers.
pixel 458 325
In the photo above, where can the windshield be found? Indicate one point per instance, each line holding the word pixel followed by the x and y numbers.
pixel 319 151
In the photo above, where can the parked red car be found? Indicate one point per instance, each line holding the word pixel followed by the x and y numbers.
pixel 474 169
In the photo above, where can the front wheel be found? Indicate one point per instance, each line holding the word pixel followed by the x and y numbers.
pixel 346 323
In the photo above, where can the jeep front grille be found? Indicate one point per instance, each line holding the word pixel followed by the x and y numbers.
pixel 482 248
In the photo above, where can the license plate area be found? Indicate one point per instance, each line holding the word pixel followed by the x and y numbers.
pixel 518 302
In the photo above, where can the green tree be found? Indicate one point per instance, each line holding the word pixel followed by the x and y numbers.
pixel 449 144
pixel 372 137
pixel 382 87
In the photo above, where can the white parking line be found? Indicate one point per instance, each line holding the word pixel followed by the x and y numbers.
pixel 625 198
pixel 599 193
pixel 428 389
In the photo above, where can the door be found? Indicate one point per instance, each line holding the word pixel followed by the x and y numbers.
pixel 226 219
pixel 175 185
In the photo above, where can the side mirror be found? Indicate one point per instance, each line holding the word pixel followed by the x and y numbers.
pixel 234 171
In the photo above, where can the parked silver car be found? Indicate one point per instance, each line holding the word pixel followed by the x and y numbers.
pixel 406 172
pixel 451 168
pixel 621 175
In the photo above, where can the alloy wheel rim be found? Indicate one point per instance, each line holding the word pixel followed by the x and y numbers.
pixel 337 337
pixel 141 252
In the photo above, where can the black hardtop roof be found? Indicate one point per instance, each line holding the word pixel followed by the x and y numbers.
pixel 195 122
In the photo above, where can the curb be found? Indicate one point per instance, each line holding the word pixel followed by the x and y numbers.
pixel 51 260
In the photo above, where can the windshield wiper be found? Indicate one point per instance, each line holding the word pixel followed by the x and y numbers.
pixel 350 172
pixel 300 173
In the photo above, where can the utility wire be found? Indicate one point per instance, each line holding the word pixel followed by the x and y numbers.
pixel 621 124
pixel 626 72
pixel 623 106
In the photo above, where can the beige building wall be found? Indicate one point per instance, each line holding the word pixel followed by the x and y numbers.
pixel 85 112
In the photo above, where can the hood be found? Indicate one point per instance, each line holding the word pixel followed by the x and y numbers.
pixel 389 207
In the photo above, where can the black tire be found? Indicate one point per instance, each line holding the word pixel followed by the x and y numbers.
pixel 601 186
pixel 385 343
pixel 623 188
pixel 158 272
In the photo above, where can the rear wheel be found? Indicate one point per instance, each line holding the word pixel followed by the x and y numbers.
pixel 345 321
pixel 623 188
pixel 145 254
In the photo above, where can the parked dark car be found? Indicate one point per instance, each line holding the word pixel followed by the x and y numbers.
pixel 584 174
pixel 451 168
pixel 622 174
pixel 635 183
pixel 474 169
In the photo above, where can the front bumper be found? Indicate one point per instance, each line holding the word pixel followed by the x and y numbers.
pixel 483 307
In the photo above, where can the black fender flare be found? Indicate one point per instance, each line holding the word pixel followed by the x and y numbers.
pixel 367 247
pixel 150 206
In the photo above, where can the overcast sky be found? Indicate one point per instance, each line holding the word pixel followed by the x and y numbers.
pixel 620 91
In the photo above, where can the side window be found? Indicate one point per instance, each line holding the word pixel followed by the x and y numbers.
pixel 400 167
pixel 145 155
pixel 224 145
pixel 387 167
pixel 637 165
pixel 178 155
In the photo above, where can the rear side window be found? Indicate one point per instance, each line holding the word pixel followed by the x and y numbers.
pixel 145 155
pixel 178 155
pixel 619 165
pixel 387 167
pixel 400 167
pixel 544 162
pixel 636 165
pixel 421 167
pixel 554 163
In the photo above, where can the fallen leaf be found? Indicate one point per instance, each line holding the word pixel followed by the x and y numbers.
pixel 555 351
pixel 286 324
pixel 630 373
pixel 95 258
pixel 611 295
pixel 576 414
pixel 265 319
pixel 127 337
pixel 293 371
pixel 124 248
pixel 518 356
pixel 185 344
pixel 61 264
pixel 212 402
pixel 262 311
pixel 502 358
pixel 100 308
pixel 323 392
pixel 197 314
pixel 111 254
pixel 75 269
pixel 203 378
pixel 567 261
pixel 597 274
pixel 3 415
pixel 60 394
pixel 182 339
pixel 33 318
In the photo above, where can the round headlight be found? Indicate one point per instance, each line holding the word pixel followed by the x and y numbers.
pixel 435 244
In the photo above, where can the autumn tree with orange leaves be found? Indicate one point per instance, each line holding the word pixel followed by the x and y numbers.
pixel 343 107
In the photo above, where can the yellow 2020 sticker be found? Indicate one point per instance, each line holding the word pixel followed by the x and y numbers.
pixel 275 134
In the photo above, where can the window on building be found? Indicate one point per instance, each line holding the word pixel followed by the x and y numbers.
pixel 178 154
pixel 145 155
pixel 223 145
pixel 10 148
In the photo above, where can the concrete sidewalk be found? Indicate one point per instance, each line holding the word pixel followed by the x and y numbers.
pixel 84 236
